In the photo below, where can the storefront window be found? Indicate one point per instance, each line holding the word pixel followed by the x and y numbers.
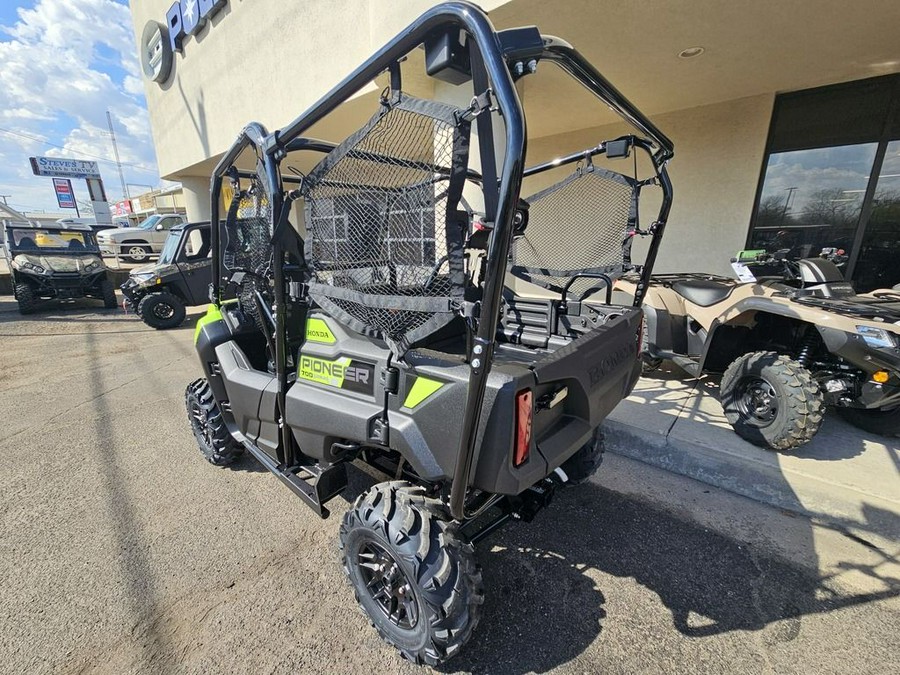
pixel 812 199
pixel 832 178
pixel 877 266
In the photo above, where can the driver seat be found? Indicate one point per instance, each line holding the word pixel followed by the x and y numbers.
pixel 703 292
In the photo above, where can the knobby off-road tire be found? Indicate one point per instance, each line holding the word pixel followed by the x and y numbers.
pixel 585 463
pixel 771 400
pixel 216 444
pixel 161 310
pixel 25 297
pixel 877 421
pixel 413 575
pixel 108 291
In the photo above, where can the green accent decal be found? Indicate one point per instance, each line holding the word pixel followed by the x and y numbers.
pixel 213 313
pixel 750 255
pixel 323 371
pixel 422 388
pixel 317 330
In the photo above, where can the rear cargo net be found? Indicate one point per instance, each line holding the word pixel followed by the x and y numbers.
pixel 385 242
pixel 583 224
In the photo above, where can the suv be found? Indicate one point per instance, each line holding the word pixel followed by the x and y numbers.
pixel 55 261
pixel 137 244
pixel 160 292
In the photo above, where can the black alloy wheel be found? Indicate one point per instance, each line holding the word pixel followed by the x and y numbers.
pixel 388 585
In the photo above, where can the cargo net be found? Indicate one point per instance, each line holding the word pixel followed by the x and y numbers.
pixel 582 225
pixel 385 259
pixel 248 247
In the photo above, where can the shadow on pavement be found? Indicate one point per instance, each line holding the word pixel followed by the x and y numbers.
pixel 550 588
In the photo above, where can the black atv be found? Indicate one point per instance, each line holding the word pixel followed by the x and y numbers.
pixel 55 261
pixel 160 292
pixel 372 323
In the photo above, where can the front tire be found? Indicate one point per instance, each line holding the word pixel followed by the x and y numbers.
pixel 771 400
pixel 875 421
pixel 108 291
pixel 161 310
pixel 25 297
pixel 215 442
pixel 413 575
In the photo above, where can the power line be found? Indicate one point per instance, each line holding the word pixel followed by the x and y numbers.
pixel 62 147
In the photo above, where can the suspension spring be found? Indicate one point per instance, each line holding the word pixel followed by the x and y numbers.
pixel 807 348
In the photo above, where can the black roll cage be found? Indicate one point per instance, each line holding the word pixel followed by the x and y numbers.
pixel 493 59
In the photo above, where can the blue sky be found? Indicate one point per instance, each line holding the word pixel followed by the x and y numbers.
pixel 65 63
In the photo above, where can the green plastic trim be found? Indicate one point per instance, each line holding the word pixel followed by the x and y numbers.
pixel 422 388
pixel 317 330
pixel 750 255
pixel 213 313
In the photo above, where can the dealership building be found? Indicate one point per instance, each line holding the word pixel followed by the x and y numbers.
pixel 785 116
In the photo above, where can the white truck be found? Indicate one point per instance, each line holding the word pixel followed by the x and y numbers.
pixel 137 244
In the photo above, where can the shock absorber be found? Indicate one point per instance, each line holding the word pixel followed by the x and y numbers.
pixel 807 348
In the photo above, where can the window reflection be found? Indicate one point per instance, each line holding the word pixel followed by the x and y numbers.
pixel 812 199
pixel 877 266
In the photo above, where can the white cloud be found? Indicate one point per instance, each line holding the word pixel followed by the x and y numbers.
pixel 64 64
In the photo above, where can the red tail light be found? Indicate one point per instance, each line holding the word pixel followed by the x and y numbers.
pixel 524 413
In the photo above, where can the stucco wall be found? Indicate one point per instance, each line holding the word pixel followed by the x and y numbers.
pixel 718 154
pixel 263 60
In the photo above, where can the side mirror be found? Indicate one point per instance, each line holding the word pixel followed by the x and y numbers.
pixel 159 227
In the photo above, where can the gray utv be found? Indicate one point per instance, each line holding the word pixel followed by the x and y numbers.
pixel 375 320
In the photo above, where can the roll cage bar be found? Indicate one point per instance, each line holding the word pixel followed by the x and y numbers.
pixel 495 61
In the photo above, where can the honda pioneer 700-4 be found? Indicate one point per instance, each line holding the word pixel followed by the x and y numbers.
pixel 377 319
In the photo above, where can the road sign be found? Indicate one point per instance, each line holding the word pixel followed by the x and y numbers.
pixel 64 168
pixel 65 197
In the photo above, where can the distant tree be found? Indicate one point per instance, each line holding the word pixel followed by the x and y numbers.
pixel 771 210
pixel 830 206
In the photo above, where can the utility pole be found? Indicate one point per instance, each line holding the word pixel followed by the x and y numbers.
pixel 112 135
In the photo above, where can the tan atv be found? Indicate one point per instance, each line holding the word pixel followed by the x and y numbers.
pixel 791 338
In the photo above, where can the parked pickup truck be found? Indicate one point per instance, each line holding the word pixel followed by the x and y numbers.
pixel 137 244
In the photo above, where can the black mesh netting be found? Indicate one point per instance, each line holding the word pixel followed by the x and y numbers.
pixel 583 224
pixel 385 258
pixel 248 245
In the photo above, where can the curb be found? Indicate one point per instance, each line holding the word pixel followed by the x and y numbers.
pixel 839 506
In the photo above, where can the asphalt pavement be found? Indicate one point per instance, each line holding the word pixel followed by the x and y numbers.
pixel 123 551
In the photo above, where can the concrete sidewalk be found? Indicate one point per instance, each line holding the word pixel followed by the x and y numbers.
pixel 844 476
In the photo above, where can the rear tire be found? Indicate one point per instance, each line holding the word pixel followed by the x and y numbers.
pixel 771 400
pixel 875 421
pixel 161 310
pixel 585 463
pixel 215 442
pixel 108 291
pixel 413 575
pixel 25 297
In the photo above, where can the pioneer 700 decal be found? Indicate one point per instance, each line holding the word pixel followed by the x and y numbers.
pixel 344 373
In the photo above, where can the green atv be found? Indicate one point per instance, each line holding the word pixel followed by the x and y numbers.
pixel 372 323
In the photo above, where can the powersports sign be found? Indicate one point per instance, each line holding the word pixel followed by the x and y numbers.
pixel 159 42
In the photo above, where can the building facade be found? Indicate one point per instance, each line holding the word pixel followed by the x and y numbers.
pixel 785 115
